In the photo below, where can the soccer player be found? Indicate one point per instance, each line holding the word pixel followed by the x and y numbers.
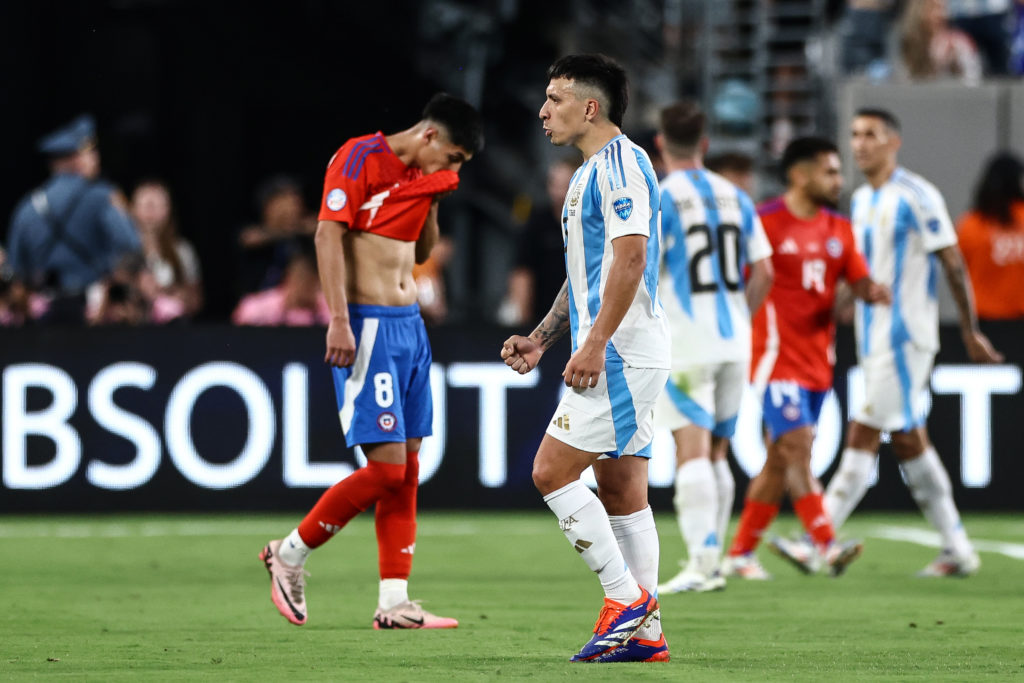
pixel 619 362
pixel 378 219
pixel 813 248
pixel 710 233
pixel 903 228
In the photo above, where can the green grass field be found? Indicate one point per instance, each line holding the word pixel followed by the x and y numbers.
pixel 184 598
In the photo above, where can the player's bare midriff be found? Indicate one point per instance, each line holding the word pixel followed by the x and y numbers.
pixel 378 269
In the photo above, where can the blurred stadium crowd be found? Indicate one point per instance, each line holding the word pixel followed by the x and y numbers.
pixel 219 227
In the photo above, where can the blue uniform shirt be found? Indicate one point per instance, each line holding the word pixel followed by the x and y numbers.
pixel 69 226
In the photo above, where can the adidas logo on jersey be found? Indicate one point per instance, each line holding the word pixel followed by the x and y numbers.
pixel 561 422
pixel 789 246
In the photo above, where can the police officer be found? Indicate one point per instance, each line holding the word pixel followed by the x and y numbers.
pixel 70 232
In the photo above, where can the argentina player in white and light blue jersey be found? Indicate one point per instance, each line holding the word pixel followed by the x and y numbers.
pixel 710 234
pixel 619 362
pixel 904 231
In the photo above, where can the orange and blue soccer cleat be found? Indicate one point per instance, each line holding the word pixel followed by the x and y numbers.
pixel 616 624
pixel 637 650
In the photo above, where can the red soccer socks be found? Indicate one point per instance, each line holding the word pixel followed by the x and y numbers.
pixel 755 519
pixel 396 524
pixel 811 511
pixel 348 498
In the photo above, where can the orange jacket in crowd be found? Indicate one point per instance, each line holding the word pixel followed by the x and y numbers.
pixel 994 255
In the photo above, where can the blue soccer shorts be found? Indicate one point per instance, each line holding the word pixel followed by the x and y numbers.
pixel 789 406
pixel 385 395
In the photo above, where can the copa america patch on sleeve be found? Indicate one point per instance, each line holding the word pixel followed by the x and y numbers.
pixel 623 207
pixel 336 199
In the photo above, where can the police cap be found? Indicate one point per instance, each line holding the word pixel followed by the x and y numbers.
pixel 70 138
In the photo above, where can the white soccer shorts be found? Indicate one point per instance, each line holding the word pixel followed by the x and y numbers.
pixel 614 418
pixel 895 384
pixel 708 396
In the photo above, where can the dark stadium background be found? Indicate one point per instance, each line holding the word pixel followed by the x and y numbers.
pixel 215 96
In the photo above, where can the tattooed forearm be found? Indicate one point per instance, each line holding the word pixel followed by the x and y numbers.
pixel 556 322
pixel 959 287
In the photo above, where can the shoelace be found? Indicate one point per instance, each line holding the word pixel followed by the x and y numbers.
pixel 297 580
pixel 609 613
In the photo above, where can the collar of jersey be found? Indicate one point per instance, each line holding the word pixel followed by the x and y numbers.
pixel 609 144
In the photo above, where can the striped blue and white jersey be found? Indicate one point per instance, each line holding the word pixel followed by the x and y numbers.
pixel 898 227
pixel 615 193
pixel 710 232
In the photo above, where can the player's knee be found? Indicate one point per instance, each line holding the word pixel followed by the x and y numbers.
pixel 391 478
pixel 906 446
pixel 545 478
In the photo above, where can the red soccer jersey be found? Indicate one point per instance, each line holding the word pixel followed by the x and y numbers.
pixel 794 332
pixel 369 188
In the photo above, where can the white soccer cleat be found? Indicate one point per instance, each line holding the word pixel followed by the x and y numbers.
pixel 838 556
pixel 799 553
pixel 410 614
pixel 745 566
pixel 691 581
pixel 948 564
pixel 802 554
pixel 287 584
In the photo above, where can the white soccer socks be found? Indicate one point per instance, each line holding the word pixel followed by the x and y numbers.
pixel 696 502
pixel 726 495
pixel 392 592
pixel 294 550
pixel 584 522
pixel 929 484
pixel 848 484
pixel 638 542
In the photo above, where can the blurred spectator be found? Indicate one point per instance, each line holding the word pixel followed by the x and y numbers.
pixel 124 297
pixel 865 34
pixel 736 167
pixel 171 260
pixel 539 269
pixel 1016 66
pixel 992 239
pixel 932 49
pixel 985 21
pixel 68 233
pixel 266 249
pixel 296 301
pixel 429 276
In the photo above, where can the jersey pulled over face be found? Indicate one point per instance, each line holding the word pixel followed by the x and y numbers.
pixel 898 227
pixel 710 233
pixel 794 332
pixel 615 193
pixel 369 188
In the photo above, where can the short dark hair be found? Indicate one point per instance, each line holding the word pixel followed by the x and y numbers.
pixel 682 124
pixel 274 187
pixel 886 116
pixel 462 122
pixel 804 149
pixel 600 72
pixel 729 161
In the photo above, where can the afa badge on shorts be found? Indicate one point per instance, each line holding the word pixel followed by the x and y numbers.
pixel 623 207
